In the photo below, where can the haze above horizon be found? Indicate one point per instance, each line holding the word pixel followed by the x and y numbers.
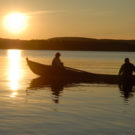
pixel 107 19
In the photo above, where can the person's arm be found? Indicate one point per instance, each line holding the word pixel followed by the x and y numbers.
pixel 121 70
pixel 133 68
pixel 53 62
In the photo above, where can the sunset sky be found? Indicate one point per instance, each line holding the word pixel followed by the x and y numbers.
pixel 114 19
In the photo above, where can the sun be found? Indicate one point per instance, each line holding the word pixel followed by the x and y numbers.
pixel 15 22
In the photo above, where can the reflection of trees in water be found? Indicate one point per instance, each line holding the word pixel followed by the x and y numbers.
pixel 127 90
pixel 57 86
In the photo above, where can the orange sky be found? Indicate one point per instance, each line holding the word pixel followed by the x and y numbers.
pixel 83 18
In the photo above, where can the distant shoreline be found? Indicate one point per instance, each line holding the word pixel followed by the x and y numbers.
pixel 70 44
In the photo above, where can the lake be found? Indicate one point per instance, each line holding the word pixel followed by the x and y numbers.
pixel 77 109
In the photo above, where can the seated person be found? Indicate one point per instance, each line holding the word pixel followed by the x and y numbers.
pixel 56 61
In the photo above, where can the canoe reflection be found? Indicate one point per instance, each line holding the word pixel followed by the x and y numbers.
pixel 126 90
pixel 57 86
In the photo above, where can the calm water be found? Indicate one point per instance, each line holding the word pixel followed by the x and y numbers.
pixel 79 109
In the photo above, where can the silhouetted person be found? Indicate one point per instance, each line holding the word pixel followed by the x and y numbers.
pixel 56 61
pixel 126 71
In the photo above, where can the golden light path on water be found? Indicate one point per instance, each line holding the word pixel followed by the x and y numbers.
pixel 14 72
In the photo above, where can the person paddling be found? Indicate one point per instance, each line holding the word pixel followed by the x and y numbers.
pixel 56 63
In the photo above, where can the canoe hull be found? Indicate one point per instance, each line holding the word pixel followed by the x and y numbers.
pixel 72 75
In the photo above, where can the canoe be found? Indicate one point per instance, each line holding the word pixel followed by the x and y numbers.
pixel 71 74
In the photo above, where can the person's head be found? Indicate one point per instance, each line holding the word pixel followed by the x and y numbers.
pixel 57 54
pixel 126 60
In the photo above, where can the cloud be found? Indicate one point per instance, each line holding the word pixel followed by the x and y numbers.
pixel 41 12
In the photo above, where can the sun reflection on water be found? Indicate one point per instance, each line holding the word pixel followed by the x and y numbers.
pixel 14 74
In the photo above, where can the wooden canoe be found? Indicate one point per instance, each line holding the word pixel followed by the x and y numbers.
pixel 71 75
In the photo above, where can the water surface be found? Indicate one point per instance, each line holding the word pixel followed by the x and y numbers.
pixel 71 109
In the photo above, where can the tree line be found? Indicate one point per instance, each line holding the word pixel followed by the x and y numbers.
pixel 69 43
